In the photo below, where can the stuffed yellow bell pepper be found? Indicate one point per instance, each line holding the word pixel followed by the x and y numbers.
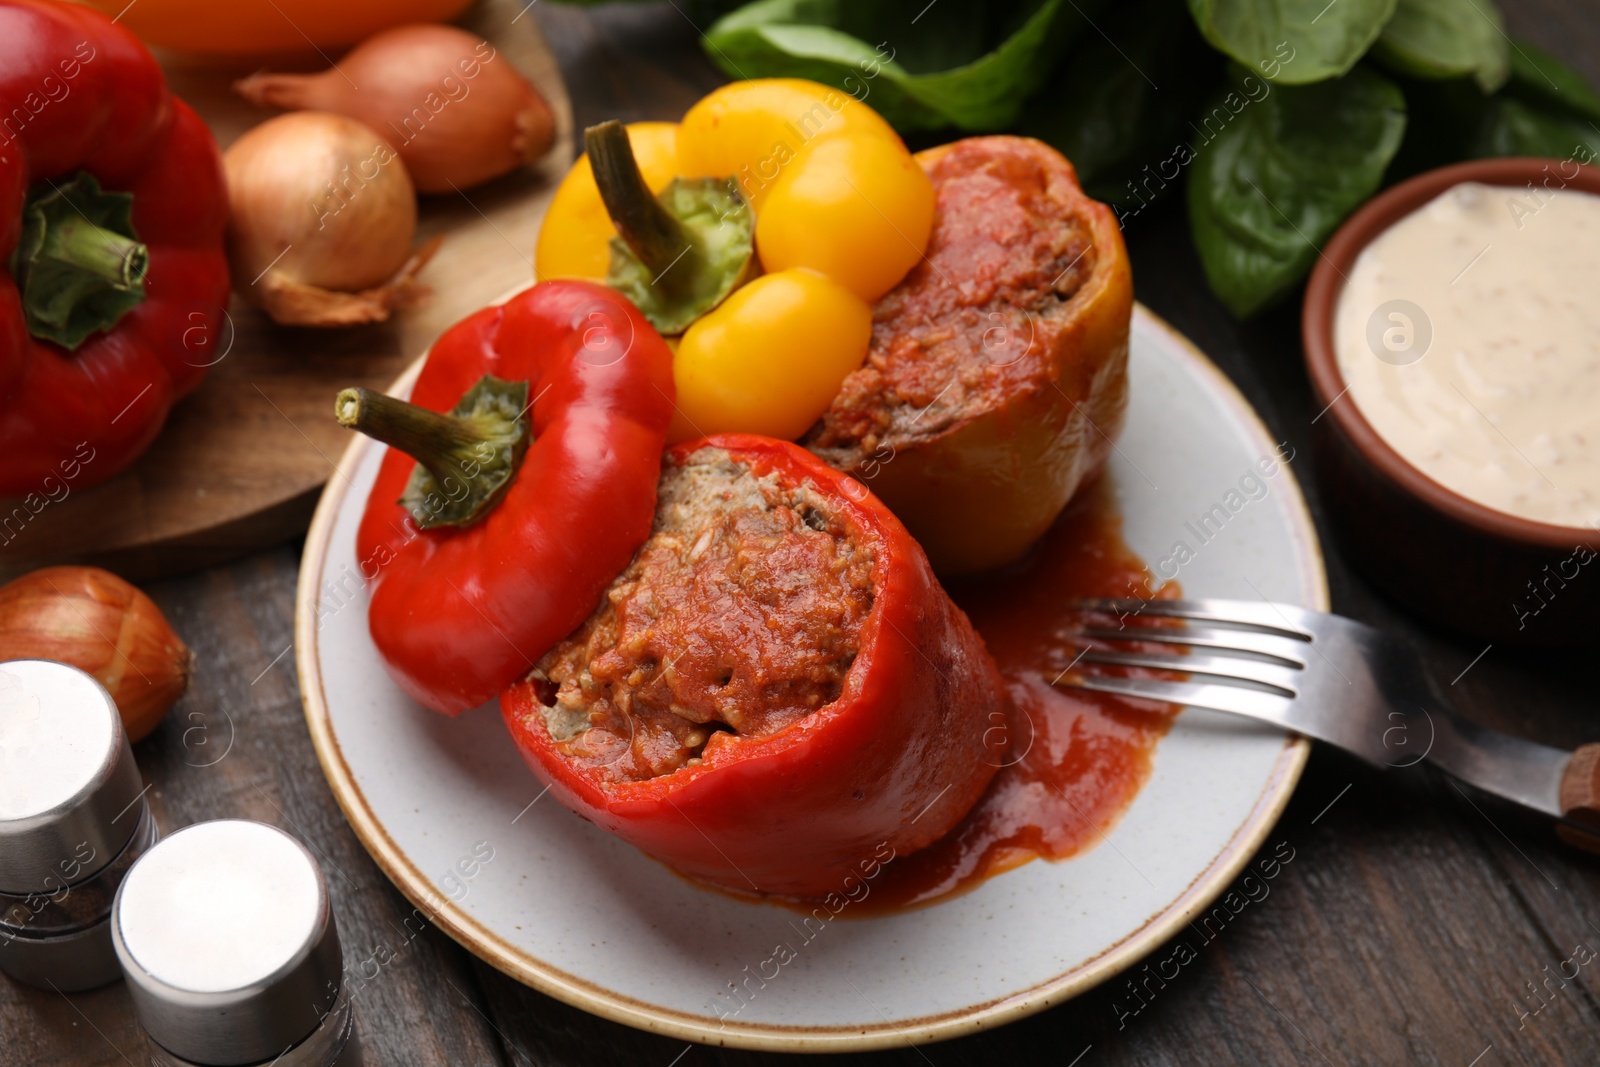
pixel 761 228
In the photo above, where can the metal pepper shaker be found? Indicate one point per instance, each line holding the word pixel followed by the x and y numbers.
pixel 229 945
pixel 73 820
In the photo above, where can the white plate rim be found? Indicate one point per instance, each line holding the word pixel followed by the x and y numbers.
pixel 527 969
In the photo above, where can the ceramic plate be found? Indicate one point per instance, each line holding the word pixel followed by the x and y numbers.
pixel 578 914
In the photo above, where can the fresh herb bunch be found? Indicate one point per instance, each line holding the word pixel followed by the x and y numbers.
pixel 1277 117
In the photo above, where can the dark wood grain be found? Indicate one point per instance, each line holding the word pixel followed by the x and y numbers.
pixel 1412 926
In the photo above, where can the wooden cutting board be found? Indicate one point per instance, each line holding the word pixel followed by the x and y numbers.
pixel 241 460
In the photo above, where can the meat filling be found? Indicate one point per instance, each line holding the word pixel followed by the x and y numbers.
pixel 967 328
pixel 741 614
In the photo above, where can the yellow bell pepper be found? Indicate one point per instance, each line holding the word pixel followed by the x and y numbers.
pixel 576 230
pixel 841 213
pixel 771 358
pixel 856 207
pixel 751 130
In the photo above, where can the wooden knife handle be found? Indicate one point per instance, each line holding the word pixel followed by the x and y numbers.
pixel 1580 799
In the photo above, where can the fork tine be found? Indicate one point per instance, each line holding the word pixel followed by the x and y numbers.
pixel 1261 615
pixel 1284 651
pixel 1224 698
pixel 1280 679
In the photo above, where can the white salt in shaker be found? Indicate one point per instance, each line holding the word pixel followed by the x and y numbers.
pixel 73 820
pixel 231 952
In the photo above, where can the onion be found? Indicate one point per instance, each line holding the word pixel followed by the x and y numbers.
pixel 321 218
pixel 98 623
pixel 457 112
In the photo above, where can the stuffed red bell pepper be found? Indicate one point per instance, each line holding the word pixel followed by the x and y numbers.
pixel 537 429
pixel 113 279
pixel 776 691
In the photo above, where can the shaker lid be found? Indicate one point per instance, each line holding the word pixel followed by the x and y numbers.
pixel 69 788
pixel 228 943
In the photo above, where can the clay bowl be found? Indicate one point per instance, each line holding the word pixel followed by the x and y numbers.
pixel 1469 567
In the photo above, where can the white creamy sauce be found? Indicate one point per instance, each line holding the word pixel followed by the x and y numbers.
pixel 1469 335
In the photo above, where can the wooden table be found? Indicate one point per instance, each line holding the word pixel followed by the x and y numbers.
pixel 1411 928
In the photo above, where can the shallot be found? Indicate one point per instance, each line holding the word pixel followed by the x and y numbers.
pixel 97 622
pixel 456 110
pixel 321 219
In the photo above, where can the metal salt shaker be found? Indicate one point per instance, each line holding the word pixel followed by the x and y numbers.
pixel 231 953
pixel 73 820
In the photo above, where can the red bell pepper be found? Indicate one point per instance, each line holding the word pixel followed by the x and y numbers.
pixel 499 537
pixel 113 279
pixel 886 768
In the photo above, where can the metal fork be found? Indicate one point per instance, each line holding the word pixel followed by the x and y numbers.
pixel 1335 680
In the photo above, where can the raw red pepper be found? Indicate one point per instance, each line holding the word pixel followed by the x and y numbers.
pixel 530 495
pixel 113 279
pixel 888 767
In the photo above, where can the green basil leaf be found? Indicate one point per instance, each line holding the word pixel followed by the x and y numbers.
pixel 1121 101
pixel 1313 39
pixel 1447 39
pixel 1280 176
pixel 1545 110
pixel 1514 128
pixel 954 64
pixel 1540 78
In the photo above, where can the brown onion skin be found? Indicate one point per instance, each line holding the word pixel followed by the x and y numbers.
pixel 281 170
pixel 321 215
pixel 457 112
pixel 95 621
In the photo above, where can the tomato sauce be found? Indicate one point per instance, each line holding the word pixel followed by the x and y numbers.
pixel 1074 760
pixel 665 669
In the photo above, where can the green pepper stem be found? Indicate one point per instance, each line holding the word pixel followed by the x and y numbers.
pixel 648 228
pixel 439 442
pixel 78 261
pixel 466 459
pixel 79 243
